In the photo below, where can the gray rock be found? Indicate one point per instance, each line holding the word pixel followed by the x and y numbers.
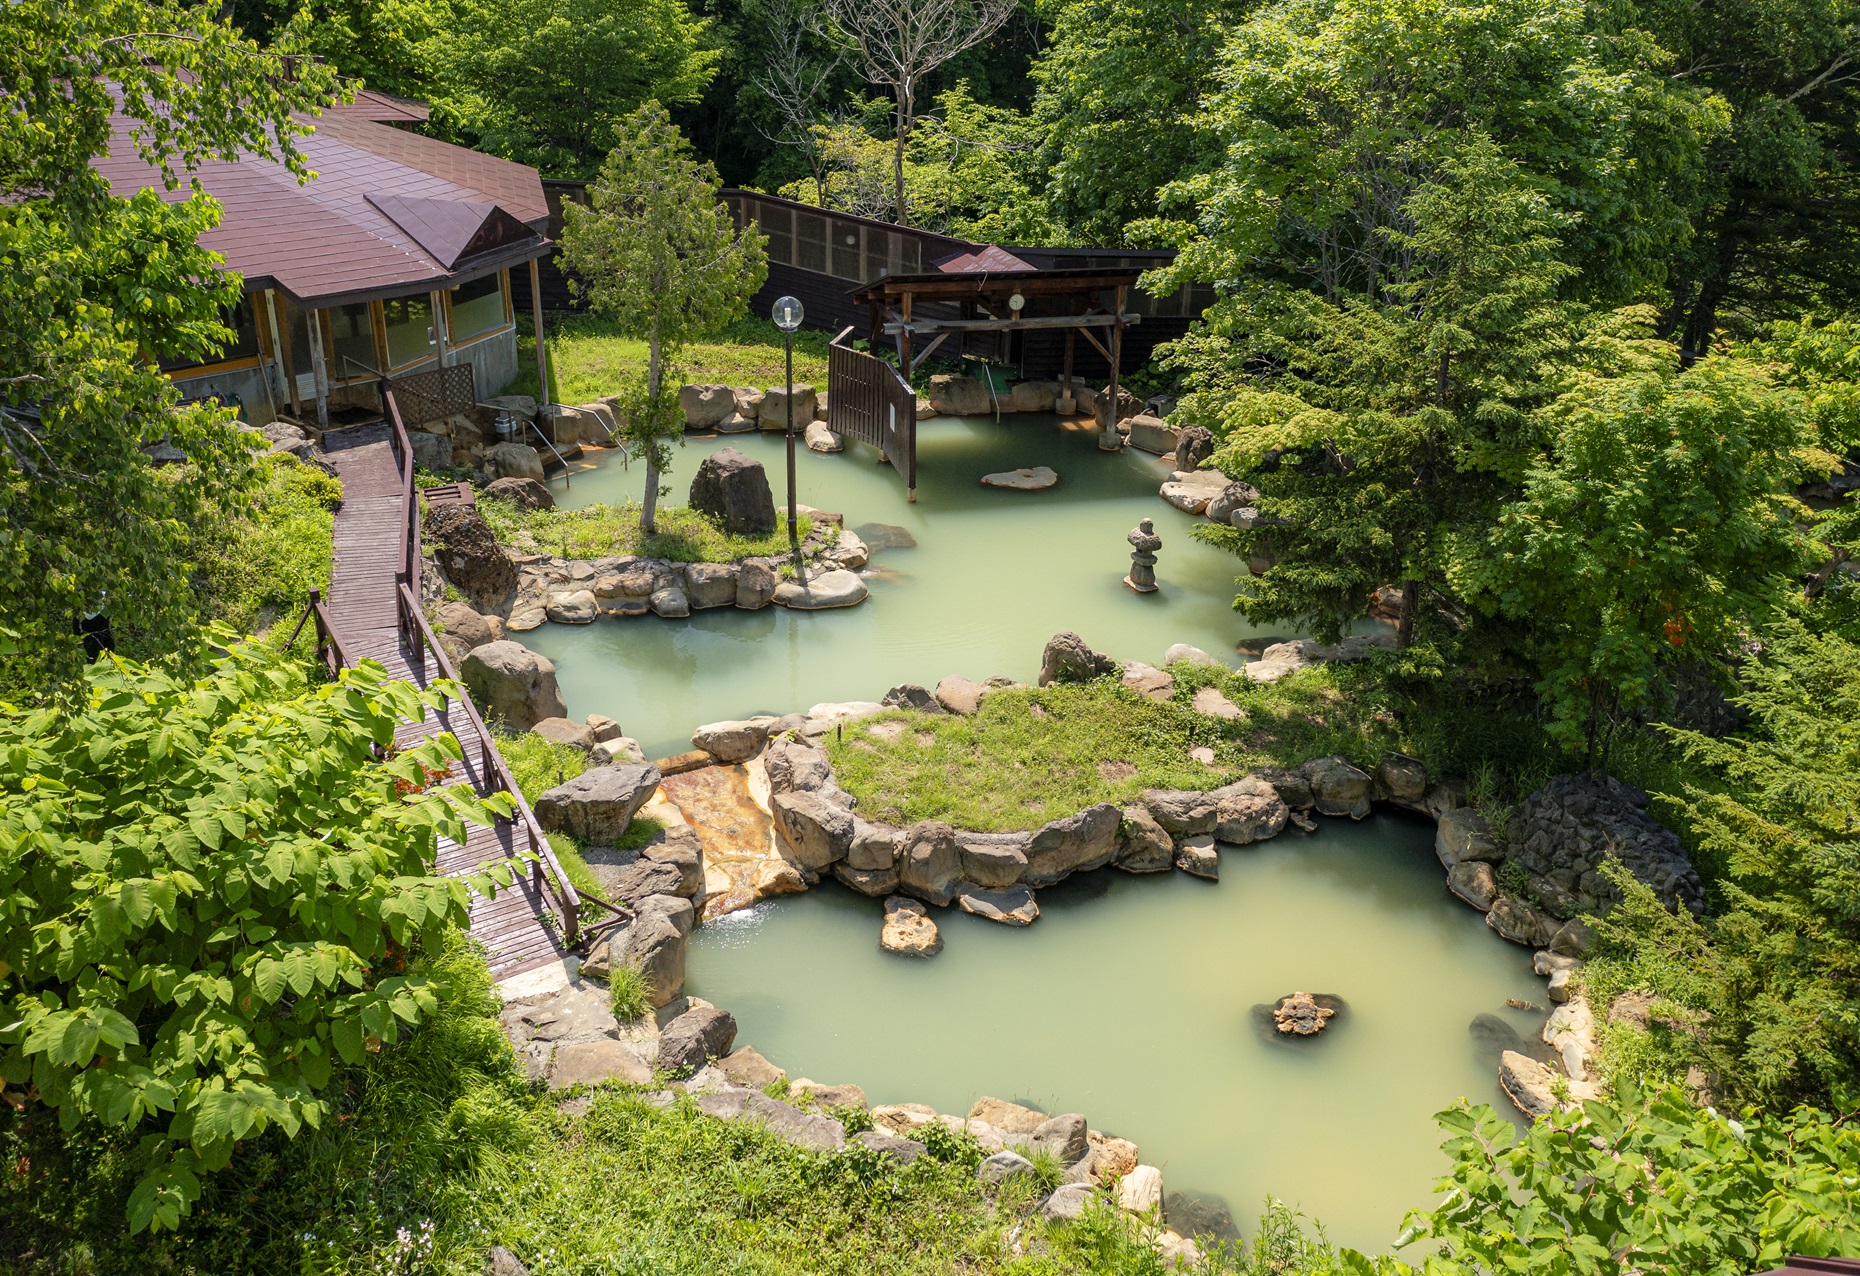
pixel 731 741
pixel 681 849
pixel 1068 659
pixel 1573 939
pixel 903 1151
pixel 734 490
pixel 1144 846
pixel 1528 1083
pixel 1066 1137
pixel 908 695
pixel 596 806
pixel 1148 681
pixel 909 929
pixel 1338 787
pixel 1520 923
pixel 993 860
pixel 823 590
pixel 1193 446
pixel 820 439
pixel 671 603
pixel 644 877
pixel 467 552
pixel 524 493
pixel 472 630
pixel 867 881
pixel 512 685
pixel 1181 651
pixel 1401 779
pixel 1184 812
pixel 773 412
pixel 1464 834
pixel 755 586
pixel 959 695
pixel 619 750
pixel 594 1062
pixel 501 1262
pixel 873 846
pixel 746 1066
pixel 1074 844
pixel 1013 907
pixel 431 451
pixel 784 1120
pixel 710 585
pixel 1567 830
pixel 1474 882
pixel 793 764
pixel 694 1038
pixel 1293 788
pixel 572 607
pixel 929 863
pixel 1242 818
pixel 1067 1202
pixel 817 832
pixel 676 909
pixel 1233 497
pixel 1213 702
pixel 1152 434
pixel 705 406
pixel 1196 856
pixel 653 944
pixel 1004 1167
pixel 512 460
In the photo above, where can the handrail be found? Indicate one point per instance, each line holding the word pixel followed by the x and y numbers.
pixel 328 642
pixel 550 444
pixel 419 637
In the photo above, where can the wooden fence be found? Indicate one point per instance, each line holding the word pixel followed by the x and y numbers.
pixel 434 395
pixel 869 401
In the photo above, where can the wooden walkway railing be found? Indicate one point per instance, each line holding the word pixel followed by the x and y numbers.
pixel 868 400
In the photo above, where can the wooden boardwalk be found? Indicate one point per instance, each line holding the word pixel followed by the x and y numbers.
pixel 519 928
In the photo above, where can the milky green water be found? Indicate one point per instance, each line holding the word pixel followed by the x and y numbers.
pixel 1132 1000
pixel 994 574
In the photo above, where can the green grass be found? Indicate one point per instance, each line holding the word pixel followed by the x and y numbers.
pixel 629 994
pixel 606 531
pixel 589 358
pixel 537 764
pixel 1038 754
pixel 259 568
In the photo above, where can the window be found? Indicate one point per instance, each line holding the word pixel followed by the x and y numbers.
pixel 845 249
pixel 408 324
pixel 810 242
pixel 778 225
pixel 351 352
pixel 476 308
pixel 243 321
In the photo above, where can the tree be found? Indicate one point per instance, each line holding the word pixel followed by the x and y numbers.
pixel 91 286
pixel 208 892
pixel 1652 530
pixel 801 57
pixel 901 42
pixel 1120 84
pixel 1646 1185
pixel 1389 407
pixel 384 44
pixel 553 83
pixel 657 251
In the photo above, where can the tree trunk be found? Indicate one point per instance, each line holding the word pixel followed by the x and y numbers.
pixel 1410 603
pixel 907 97
pixel 649 507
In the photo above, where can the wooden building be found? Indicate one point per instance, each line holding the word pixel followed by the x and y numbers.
pixel 396 258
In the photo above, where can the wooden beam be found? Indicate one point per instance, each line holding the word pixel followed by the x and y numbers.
pixel 1095 343
pixel 1043 284
pixel 281 353
pixel 319 370
pixel 918 361
pixel 437 300
pixel 927 326
pixel 542 356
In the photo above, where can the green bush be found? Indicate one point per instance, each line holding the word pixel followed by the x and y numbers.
pixel 260 567
pixel 604 531
pixel 629 994
pixel 538 764
pixel 208 894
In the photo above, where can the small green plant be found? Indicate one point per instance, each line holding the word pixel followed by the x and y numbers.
pixel 941 1143
pixel 777 1089
pixel 855 1119
pixel 1513 879
pixel 1048 1171
pixel 629 994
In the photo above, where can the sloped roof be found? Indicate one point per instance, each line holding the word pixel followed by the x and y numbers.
pixel 989 257
pixel 383 108
pixel 331 240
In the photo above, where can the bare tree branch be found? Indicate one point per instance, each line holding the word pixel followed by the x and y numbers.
pixel 793 77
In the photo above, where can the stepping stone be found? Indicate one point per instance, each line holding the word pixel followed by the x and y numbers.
pixel 1012 907
pixel 523 621
pixel 1035 479
pixel 908 929
pixel 1211 701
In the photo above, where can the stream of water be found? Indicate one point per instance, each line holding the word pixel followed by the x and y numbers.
pixel 992 575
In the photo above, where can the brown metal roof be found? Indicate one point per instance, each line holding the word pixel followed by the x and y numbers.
pixel 331 241
pixel 987 258
pixel 383 108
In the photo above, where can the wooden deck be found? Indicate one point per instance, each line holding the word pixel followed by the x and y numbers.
pixel 516 927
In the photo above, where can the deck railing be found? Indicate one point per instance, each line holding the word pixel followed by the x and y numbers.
pixel 417 637
pixel 329 646
pixel 868 400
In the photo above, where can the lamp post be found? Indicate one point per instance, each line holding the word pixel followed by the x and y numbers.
pixel 788 315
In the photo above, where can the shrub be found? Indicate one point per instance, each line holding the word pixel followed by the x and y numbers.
pixel 630 994
pixel 263 565
pixel 209 892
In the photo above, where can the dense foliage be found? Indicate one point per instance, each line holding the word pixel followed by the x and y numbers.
pixel 208 892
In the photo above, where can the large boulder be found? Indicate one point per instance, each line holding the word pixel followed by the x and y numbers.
pixel 994 860
pixel 1074 844
pixel 909 930
pixel 1065 1137
pixel 1014 906
pixel 1241 818
pixel 1068 659
pixel 512 685
pixel 735 491
pixel 596 806
pixel 710 585
pixel 524 493
pixel 1152 434
pixel 512 460
pixel 705 406
pixel 431 451
pixel 874 847
pixel 465 626
pixel 1128 405
pixel 959 695
pixel 952 394
pixel 695 1038
pixel 1340 788
pixel 772 413
pixel 755 586
pixel 654 945
pixel 1464 834
pixel 823 590
pixel 1564 833
pixel 1193 446
pixel 1032 396
pixel 930 862
pixel 817 832
pixel 731 741
pixel 469 555
pixel 794 764
pixel 1144 846
pixel 572 607
pixel 1234 496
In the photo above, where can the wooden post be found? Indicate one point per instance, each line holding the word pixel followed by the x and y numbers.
pixel 1117 349
pixel 437 300
pixel 542 357
pixel 281 354
pixel 904 338
pixel 319 371
pixel 1072 339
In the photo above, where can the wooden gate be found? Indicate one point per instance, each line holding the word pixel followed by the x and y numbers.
pixel 869 401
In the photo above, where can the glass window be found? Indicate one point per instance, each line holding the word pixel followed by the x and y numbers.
pixel 407 322
pixel 846 249
pixel 778 225
pixel 477 308
pixel 810 247
pixel 352 350
pixel 243 321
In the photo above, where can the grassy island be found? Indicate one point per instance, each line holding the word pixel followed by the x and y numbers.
pixel 610 531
